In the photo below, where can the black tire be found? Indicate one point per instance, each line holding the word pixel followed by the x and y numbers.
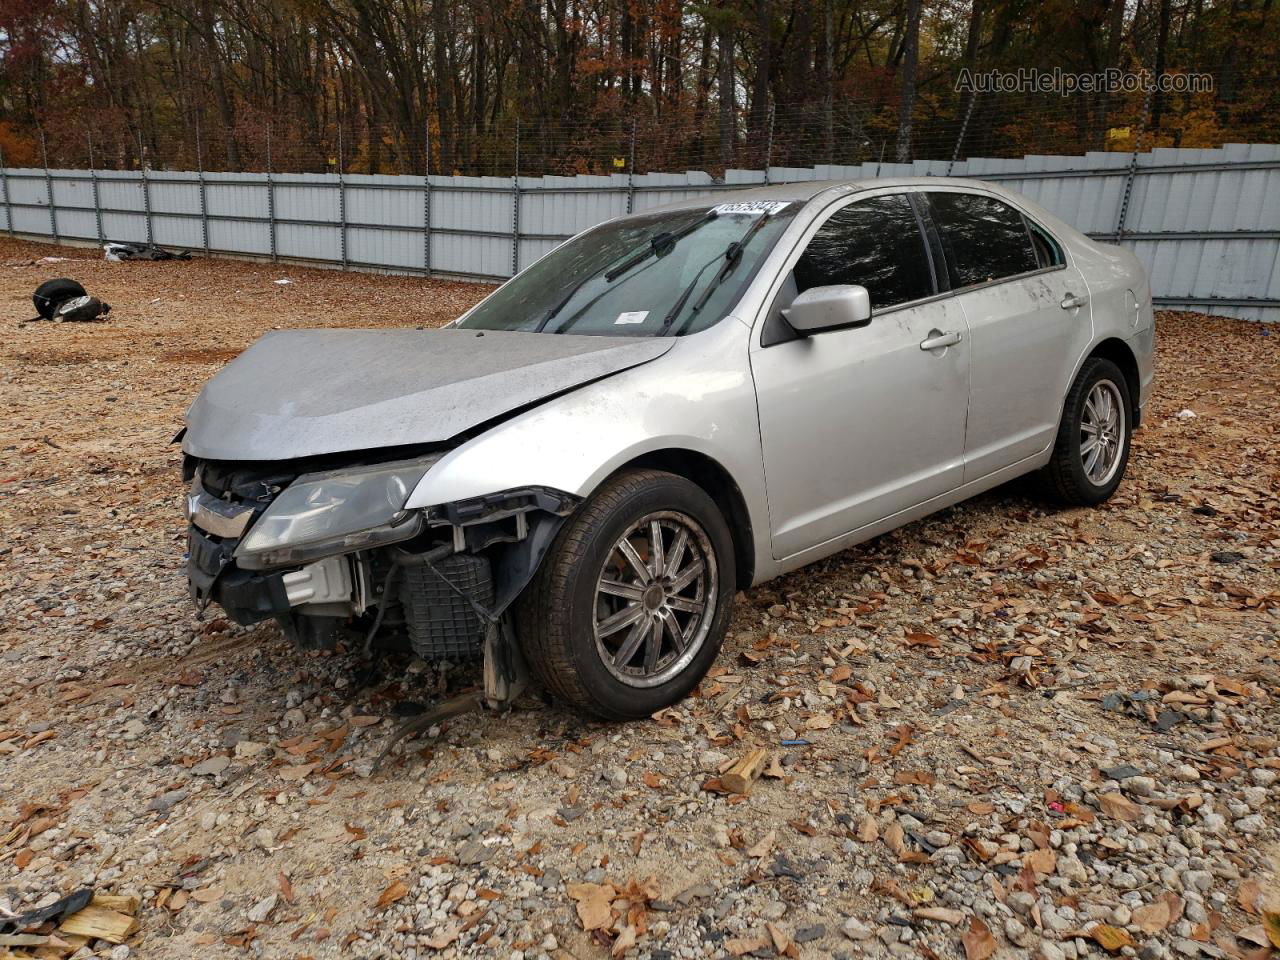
pixel 557 613
pixel 53 292
pixel 1065 479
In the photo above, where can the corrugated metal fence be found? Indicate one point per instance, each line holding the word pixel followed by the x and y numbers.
pixel 1205 222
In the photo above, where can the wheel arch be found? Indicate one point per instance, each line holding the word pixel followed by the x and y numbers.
pixel 1122 355
pixel 719 485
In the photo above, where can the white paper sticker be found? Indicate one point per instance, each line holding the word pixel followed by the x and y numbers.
pixel 751 206
pixel 635 316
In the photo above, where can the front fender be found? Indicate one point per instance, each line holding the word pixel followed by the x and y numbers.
pixel 698 397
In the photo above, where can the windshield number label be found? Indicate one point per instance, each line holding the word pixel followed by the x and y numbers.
pixel 635 316
pixel 751 207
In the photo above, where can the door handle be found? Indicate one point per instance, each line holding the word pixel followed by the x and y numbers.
pixel 937 340
pixel 1071 301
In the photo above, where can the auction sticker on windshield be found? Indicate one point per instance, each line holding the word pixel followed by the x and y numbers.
pixel 751 206
pixel 634 316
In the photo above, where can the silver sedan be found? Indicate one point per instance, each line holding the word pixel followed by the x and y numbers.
pixel 571 481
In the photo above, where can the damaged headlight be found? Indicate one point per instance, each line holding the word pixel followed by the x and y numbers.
pixel 323 514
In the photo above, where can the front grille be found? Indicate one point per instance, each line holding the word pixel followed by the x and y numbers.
pixel 442 624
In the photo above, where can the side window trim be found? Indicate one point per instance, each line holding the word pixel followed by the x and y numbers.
pixel 1028 222
pixel 768 337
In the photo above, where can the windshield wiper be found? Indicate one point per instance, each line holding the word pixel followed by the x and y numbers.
pixel 732 254
pixel 660 244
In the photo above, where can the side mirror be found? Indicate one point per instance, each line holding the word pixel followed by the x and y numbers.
pixel 829 308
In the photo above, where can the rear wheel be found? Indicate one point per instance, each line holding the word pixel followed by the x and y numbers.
pixel 1092 448
pixel 628 610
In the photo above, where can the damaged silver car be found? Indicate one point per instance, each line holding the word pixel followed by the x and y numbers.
pixel 579 473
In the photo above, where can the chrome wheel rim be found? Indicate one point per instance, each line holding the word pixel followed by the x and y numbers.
pixel 655 599
pixel 1102 427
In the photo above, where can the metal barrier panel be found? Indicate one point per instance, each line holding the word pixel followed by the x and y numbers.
pixel 1206 222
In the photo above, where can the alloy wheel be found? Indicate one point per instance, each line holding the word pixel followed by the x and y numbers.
pixel 655 599
pixel 1102 432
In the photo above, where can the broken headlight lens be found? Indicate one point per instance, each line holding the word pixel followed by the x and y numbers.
pixel 337 512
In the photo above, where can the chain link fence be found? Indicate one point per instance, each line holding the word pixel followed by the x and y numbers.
pixel 844 132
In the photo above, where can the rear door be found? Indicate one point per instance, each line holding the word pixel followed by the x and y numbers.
pixel 859 424
pixel 1028 315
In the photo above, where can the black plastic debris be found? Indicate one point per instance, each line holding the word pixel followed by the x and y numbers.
pixel 56 911
pixel 118 251
pixel 64 300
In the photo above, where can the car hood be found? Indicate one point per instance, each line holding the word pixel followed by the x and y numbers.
pixel 301 393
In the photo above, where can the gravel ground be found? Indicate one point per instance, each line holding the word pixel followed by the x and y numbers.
pixel 1022 732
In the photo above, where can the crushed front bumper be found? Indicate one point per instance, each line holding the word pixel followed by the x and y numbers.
pixel 247 596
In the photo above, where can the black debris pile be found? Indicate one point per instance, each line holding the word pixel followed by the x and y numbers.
pixel 118 251
pixel 65 301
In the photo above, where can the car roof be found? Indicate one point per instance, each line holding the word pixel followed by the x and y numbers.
pixel 807 190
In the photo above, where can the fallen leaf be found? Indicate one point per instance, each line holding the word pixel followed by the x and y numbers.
pixel 1271 922
pixel 286 888
pixel 206 894
pixel 1119 807
pixel 868 830
pixel 1152 917
pixel 978 941
pixel 442 938
pixel 626 940
pixel 895 838
pixel 594 901
pixel 1112 939
pixel 922 778
pixel 1043 862
pixel 762 846
pixel 740 946
pixel 393 893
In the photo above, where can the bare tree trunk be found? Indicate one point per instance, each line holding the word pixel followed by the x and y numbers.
pixel 726 82
pixel 828 80
pixel 910 62
pixel 758 127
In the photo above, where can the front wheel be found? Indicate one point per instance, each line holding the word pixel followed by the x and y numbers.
pixel 1092 448
pixel 628 610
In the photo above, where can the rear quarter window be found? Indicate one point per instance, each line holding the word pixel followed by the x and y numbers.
pixel 983 238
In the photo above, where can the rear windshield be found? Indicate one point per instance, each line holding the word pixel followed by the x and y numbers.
pixel 659 274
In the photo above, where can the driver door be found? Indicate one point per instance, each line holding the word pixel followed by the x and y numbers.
pixel 858 424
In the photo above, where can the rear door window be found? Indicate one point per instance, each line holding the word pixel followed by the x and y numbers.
pixel 875 243
pixel 984 239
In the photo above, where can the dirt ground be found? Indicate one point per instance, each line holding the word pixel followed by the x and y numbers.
pixel 1022 731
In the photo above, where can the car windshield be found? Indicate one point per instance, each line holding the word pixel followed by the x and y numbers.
pixel 656 274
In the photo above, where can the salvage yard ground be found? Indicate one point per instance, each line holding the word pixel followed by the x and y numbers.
pixel 1024 732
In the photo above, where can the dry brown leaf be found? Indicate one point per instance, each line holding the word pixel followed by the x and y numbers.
pixel 443 937
pixel 1248 896
pixel 978 941
pixel 594 904
pixel 626 940
pixel 1112 939
pixel 895 839
pixel 1271 923
pixel 819 721
pixel 740 946
pixel 286 888
pixel 921 778
pixel 868 829
pixel 1153 917
pixel 762 846
pixel 206 894
pixel 1043 862
pixel 393 893
pixel 1119 807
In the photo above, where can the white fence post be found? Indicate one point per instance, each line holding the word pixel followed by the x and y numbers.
pixel 48 188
